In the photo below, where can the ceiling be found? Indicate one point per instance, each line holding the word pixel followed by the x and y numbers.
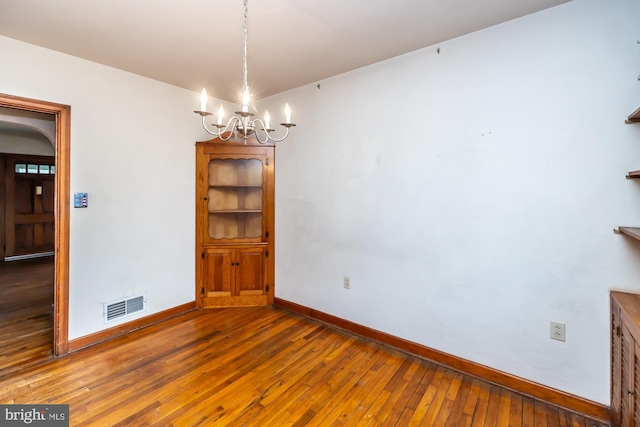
pixel 198 43
pixel 17 129
pixel 20 130
pixel 25 124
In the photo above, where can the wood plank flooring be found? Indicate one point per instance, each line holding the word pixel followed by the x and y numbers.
pixel 263 367
pixel 26 324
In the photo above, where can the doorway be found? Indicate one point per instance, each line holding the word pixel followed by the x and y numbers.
pixel 29 223
pixel 61 204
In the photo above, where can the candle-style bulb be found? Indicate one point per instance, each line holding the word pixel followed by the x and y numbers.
pixel 203 100
pixel 267 120
pixel 246 97
pixel 220 114
pixel 287 113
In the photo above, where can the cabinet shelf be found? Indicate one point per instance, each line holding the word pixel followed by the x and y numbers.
pixel 634 117
pixel 234 211
pixel 235 185
pixel 630 231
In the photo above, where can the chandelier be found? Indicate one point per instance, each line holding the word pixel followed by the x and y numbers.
pixel 242 125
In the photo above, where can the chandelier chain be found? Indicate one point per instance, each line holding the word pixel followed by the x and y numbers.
pixel 244 57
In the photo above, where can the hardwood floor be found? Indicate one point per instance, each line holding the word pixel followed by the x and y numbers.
pixel 265 366
pixel 26 324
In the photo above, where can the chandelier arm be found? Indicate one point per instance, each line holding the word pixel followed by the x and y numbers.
pixel 204 125
pixel 269 138
pixel 280 139
pixel 233 120
pixel 223 130
pixel 263 128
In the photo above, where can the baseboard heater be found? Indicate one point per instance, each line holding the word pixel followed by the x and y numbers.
pixel 124 307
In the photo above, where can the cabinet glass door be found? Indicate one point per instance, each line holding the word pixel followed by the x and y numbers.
pixel 235 199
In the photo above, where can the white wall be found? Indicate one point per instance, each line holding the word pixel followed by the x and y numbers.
pixel 471 195
pixel 132 150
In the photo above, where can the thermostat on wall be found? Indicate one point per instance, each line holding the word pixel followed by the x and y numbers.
pixel 80 200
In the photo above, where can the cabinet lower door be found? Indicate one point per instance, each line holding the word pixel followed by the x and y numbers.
pixel 234 277
pixel 635 400
pixel 616 365
pixel 250 271
pixel 218 273
pixel 628 359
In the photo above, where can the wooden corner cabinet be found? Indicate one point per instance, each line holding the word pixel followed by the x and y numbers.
pixel 234 224
pixel 625 359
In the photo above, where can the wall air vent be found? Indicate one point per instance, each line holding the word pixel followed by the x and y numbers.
pixel 124 307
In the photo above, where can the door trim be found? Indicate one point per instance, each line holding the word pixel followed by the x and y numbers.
pixel 62 114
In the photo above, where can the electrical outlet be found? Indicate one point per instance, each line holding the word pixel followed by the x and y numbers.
pixel 557 331
pixel 346 282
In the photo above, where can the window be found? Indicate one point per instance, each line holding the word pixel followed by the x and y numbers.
pixel 35 169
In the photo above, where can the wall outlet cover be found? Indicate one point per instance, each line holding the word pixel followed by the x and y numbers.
pixel 557 331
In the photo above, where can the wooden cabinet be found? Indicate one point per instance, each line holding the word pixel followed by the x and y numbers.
pixel 625 359
pixel 234 224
